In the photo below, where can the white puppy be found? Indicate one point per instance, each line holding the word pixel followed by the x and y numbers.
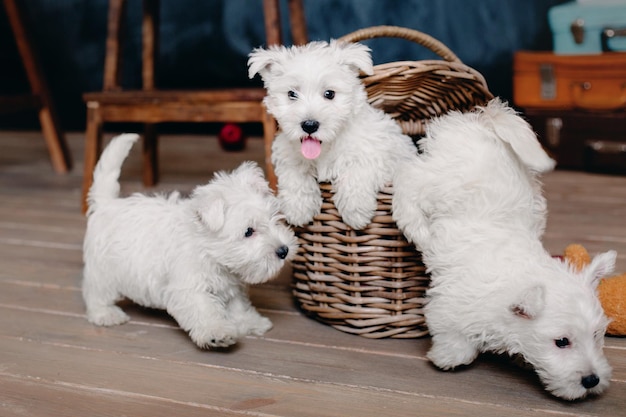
pixel 472 203
pixel 328 131
pixel 190 256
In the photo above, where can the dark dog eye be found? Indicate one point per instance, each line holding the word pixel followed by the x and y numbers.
pixel 292 94
pixel 562 343
pixel 329 94
pixel 249 232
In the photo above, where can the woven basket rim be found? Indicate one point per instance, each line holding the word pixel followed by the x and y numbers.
pixel 413 35
pixel 413 92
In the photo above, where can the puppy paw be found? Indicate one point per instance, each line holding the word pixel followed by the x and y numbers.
pixel 357 216
pixel 216 337
pixel 356 209
pixel 107 316
pixel 449 355
pixel 356 220
pixel 301 211
pixel 416 233
pixel 259 326
pixel 222 342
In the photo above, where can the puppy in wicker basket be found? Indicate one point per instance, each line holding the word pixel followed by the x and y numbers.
pixel 190 256
pixel 328 131
pixel 472 203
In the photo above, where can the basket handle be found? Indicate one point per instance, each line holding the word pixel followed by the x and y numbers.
pixel 416 36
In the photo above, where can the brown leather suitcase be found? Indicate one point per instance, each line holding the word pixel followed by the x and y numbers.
pixel 583 140
pixel 544 80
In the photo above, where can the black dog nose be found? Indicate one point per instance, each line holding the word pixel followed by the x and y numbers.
pixel 590 381
pixel 310 126
pixel 282 252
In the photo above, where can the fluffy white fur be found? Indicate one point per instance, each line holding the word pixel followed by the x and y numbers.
pixel 317 98
pixel 190 256
pixel 472 203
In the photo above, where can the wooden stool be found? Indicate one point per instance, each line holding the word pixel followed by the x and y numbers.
pixel 40 97
pixel 151 105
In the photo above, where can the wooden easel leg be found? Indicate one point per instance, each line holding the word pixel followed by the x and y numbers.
pixel 55 139
pixel 150 155
pixel 53 135
pixel 93 148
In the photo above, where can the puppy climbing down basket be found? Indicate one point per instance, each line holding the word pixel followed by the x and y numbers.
pixel 372 282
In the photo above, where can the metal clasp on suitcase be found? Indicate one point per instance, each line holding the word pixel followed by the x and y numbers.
pixel 608 34
pixel 548 82
pixel 578 30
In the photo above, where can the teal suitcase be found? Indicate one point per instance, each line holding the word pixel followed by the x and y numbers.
pixel 590 27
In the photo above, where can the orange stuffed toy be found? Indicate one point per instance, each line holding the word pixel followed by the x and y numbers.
pixel 611 291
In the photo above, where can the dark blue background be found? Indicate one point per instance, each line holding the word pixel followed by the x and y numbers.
pixel 204 43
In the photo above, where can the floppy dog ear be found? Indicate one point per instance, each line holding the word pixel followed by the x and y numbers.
pixel 211 215
pixel 251 174
pixel 601 266
pixel 209 206
pixel 515 131
pixel 355 55
pixel 530 303
pixel 265 61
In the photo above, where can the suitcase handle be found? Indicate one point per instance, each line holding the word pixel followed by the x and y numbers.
pixel 604 155
pixel 608 34
pixel 584 100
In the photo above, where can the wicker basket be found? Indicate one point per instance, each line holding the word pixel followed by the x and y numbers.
pixel 412 92
pixel 372 282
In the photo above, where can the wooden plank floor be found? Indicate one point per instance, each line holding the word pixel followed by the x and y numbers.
pixel 54 363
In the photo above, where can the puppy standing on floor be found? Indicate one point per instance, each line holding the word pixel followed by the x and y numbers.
pixel 472 203
pixel 328 131
pixel 192 257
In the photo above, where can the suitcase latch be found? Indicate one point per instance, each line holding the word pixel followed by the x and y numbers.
pixel 578 30
pixel 608 34
pixel 553 131
pixel 548 83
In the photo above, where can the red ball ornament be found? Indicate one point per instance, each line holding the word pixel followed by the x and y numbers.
pixel 231 137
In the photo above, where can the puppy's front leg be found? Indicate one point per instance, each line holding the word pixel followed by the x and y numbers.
pixel 204 316
pixel 410 210
pixel 300 198
pixel 247 319
pixel 356 199
pixel 298 191
pixel 450 347
pixel 450 350
pixel 413 223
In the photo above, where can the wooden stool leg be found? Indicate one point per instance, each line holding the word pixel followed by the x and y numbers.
pixel 93 148
pixel 150 155
pixel 55 140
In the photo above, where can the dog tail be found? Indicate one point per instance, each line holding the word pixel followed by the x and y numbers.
pixel 514 130
pixel 107 172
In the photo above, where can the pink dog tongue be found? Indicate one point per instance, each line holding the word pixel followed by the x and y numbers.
pixel 311 147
